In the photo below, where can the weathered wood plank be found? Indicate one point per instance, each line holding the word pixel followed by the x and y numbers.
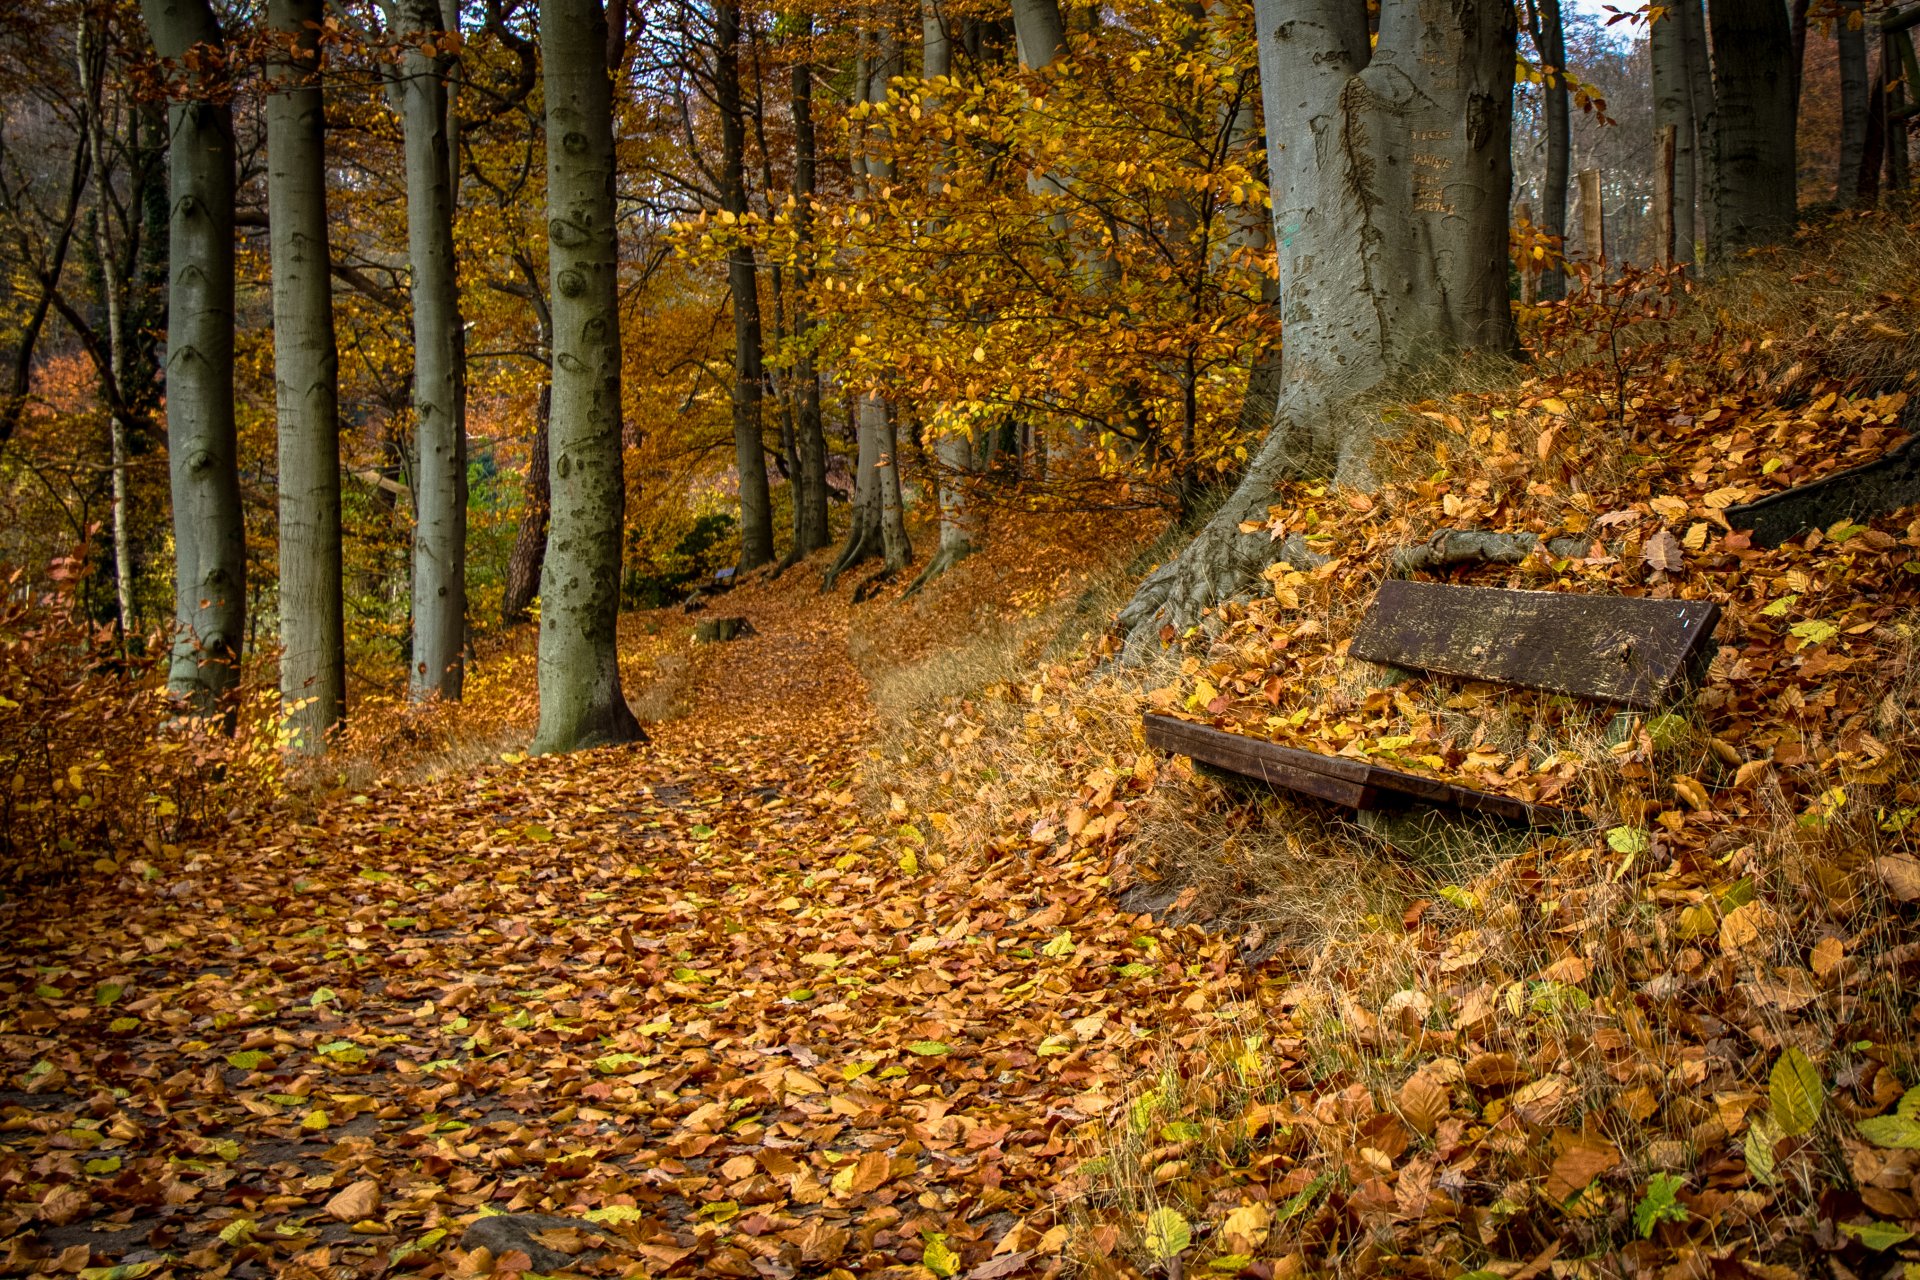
pixel 1877 488
pixel 1356 784
pixel 1622 649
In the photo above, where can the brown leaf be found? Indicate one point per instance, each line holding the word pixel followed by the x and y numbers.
pixel 1663 552
pixel 356 1202
pixel 1578 1159
pixel 1901 874
pixel 994 1268
pixel 1423 1101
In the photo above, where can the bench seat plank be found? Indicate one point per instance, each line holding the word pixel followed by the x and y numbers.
pixel 1356 784
pixel 1621 649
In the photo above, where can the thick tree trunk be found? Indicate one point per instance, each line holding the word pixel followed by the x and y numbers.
pixel 749 377
pixel 1550 45
pixel 894 546
pixel 1673 105
pixel 1390 209
pixel 209 536
pixel 581 704
pixel 1692 20
pixel 530 542
pixel 863 531
pixel 810 531
pixel 439 373
pixel 1754 117
pixel 313 657
pixel 1852 37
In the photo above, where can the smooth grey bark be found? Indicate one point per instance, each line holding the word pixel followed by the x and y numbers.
pixel 313 657
pixel 1039 34
pixel 1754 120
pixel 863 530
pixel 1391 176
pixel 1550 46
pixel 749 375
pixel 209 536
pixel 529 552
pixel 581 703
pixel 1673 105
pixel 1853 102
pixel 953 451
pixel 438 666
pixel 810 530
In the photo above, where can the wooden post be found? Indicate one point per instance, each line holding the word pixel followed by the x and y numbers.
pixel 1529 266
pixel 1593 226
pixel 1663 195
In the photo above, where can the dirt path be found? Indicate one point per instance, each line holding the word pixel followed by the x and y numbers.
pixel 686 986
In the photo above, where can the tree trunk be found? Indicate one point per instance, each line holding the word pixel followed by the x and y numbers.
pixel 1692 21
pixel 1550 45
pixel 953 449
pixel 530 543
pixel 1754 117
pixel 209 536
pixel 1390 209
pixel 439 374
pixel 313 658
pixel 91 63
pixel 749 376
pixel 810 531
pixel 581 704
pixel 863 532
pixel 1673 105
pixel 1852 36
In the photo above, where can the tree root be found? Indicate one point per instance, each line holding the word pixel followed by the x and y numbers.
pixel 1453 548
pixel 943 559
pixel 863 543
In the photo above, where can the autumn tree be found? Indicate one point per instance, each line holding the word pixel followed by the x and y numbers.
pixel 210 562
pixel 1550 47
pixel 1754 119
pixel 581 704
pixel 306 379
pixel 1392 233
pixel 419 91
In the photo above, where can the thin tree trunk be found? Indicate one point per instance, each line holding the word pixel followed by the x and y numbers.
pixel 1852 36
pixel 91 64
pixel 1693 31
pixel 581 704
pixel 313 658
pixel 810 531
pixel 439 374
pixel 209 536
pixel 1673 107
pixel 1550 46
pixel 1753 136
pixel 756 501
pixel 530 543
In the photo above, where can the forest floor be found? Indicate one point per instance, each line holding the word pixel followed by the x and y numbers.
pixel 686 988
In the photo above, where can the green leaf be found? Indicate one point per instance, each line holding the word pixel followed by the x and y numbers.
pixel 249 1059
pixel 1302 1199
pixel 537 833
pixel 1877 1236
pixel 239 1231
pixel 1666 730
pixel 1060 946
pixel 615 1213
pixel 1168 1234
pixel 120 1271
pixel 1230 1263
pixel 325 995
pixel 615 1062
pixel 1135 970
pixel 1182 1131
pixel 1660 1203
pixel 1762 1136
pixel 701 831
pixel 105 1164
pixel 1896 1131
pixel 929 1048
pixel 1813 631
pixel 120 1026
pixel 106 993
pixel 1795 1091
pixel 1628 840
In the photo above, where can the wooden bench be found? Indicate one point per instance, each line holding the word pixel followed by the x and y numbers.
pixel 1624 650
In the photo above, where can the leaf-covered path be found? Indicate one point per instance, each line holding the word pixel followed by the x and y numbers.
pixel 686 987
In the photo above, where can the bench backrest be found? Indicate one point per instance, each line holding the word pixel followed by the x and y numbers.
pixel 1621 649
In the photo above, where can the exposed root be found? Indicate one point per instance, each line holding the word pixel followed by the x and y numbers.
pixel 871 587
pixel 1452 548
pixel 944 559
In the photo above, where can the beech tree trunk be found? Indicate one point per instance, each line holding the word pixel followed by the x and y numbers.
pixel 749 375
pixel 810 531
pixel 439 358
pixel 1391 176
pixel 313 657
pixel 209 536
pixel 1550 46
pixel 581 704
pixel 1853 102
pixel 1754 119
pixel 1692 19
pixel 1673 105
